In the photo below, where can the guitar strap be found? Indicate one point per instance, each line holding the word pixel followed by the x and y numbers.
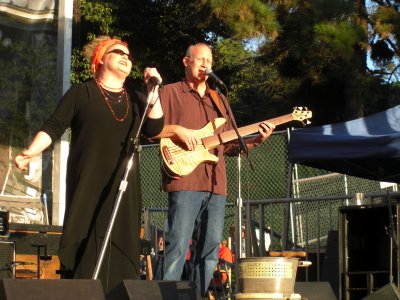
pixel 215 99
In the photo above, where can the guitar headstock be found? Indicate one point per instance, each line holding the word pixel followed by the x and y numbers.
pixel 302 114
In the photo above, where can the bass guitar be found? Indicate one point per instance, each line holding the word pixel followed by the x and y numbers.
pixel 180 162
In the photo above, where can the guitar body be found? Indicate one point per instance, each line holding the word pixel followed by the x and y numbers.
pixel 181 162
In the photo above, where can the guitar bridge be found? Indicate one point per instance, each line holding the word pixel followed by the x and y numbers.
pixel 167 155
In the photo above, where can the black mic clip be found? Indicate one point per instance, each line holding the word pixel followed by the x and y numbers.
pixel 212 75
pixel 155 81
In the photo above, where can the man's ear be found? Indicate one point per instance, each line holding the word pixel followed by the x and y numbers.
pixel 185 61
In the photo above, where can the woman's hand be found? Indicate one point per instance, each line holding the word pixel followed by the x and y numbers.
pixel 151 77
pixel 22 160
pixel 41 141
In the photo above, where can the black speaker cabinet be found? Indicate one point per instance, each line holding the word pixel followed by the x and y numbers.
pixel 315 290
pixel 62 289
pixel 35 239
pixel 366 247
pixel 388 292
pixel 7 259
pixel 154 290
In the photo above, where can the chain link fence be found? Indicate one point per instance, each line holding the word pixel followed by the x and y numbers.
pixel 264 175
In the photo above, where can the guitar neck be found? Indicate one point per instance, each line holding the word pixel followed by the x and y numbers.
pixel 227 136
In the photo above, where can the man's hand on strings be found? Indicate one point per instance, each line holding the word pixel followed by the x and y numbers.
pixel 265 130
pixel 186 137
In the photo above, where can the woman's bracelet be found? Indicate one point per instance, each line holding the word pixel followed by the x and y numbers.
pixel 26 155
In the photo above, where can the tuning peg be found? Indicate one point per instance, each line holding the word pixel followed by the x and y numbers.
pixel 305 122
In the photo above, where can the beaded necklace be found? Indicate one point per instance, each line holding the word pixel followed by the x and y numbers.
pixel 111 97
pixel 108 102
pixel 108 87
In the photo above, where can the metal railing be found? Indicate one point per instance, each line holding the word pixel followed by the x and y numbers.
pixel 285 206
pixel 262 216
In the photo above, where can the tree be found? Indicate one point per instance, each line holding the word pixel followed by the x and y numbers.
pixel 384 19
pixel 313 52
pixel 159 33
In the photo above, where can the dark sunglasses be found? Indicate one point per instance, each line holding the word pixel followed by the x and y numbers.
pixel 121 53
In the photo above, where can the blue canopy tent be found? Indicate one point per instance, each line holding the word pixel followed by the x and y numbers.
pixel 367 147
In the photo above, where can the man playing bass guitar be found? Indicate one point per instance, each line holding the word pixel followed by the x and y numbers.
pixel 196 198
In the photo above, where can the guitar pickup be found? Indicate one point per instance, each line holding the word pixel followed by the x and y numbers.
pixel 167 155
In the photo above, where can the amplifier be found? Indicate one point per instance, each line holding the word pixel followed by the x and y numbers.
pixel 36 249
pixel 35 239
pixel 7 259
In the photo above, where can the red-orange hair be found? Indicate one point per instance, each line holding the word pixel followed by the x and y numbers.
pixel 101 50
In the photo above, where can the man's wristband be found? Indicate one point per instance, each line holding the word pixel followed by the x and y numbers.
pixel 255 143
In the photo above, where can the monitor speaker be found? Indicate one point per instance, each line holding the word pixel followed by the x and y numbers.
pixel 315 290
pixel 7 259
pixel 154 290
pixel 387 292
pixel 330 266
pixel 62 289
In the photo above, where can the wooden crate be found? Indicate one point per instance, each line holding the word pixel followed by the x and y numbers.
pixel 28 266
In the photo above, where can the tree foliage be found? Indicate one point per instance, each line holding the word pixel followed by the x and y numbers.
pixel 384 20
pixel 311 53
pixel 246 19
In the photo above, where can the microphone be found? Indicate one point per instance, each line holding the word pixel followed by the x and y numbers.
pixel 154 80
pixel 212 75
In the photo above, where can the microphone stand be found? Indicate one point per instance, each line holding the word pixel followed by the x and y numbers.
pixel 242 144
pixel 244 148
pixel 123 184
pixel 239 204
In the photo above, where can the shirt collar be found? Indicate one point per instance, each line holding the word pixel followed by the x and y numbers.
pixel 186 87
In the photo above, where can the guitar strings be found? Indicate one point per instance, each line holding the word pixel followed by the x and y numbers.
pixel 215 139
pixel 231 135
